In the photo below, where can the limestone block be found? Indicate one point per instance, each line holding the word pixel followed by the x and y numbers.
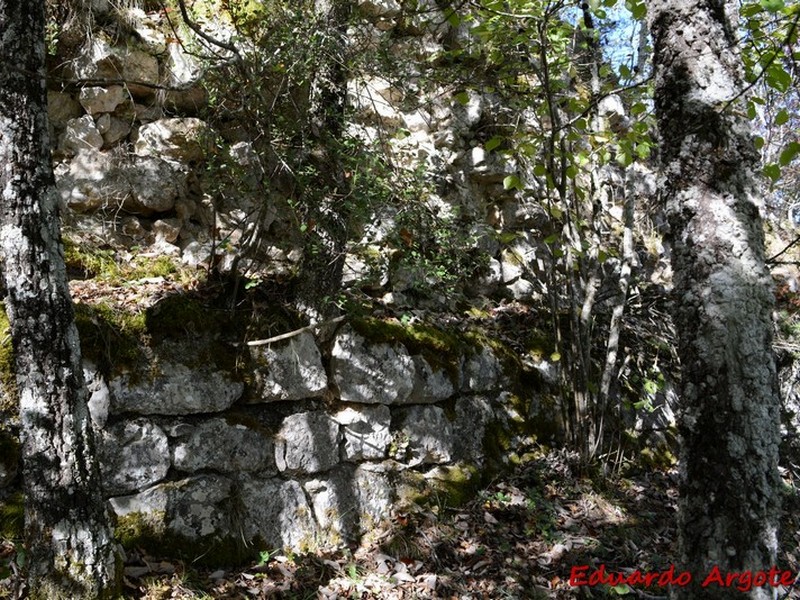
pixel 371 373
pixel 179 139
pixel 376 98
pixel 374 495
pixel 418 120
pixel 366 431
pixel 112 129
pixel 101 99
pixel 335 507
pixel 425 434
pixel 83 183
pixel 278 513
pixel 177 390
pixel 522 289
pixel 289 370
pixel 138 67
pixel 473 414
pixel 155 185
pixel 429 385
pixel 80 134
pixel 167 230
pixel 98 61
pixel 217 445
pixel 99 395
pixel 134 455
pixel 61 107
pixel 93 180
pixel 308 442
pixel 195 508
pixel 481 371
pixel 182 68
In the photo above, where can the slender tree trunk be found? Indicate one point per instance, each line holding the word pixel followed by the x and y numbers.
pixel 729 423
pixel 320 280
pixel 71 553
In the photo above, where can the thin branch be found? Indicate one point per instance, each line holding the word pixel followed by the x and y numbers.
pixel 765 68
pixel 771 260
pixel 285 336
pixel 199 31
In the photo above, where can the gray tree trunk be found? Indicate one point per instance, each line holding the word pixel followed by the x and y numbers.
pixel 71 553
pixel 723 301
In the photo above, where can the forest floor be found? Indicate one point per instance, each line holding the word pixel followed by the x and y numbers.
pixel 522 536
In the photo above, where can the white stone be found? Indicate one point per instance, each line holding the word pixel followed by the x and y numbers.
pixel 278 513
pixel 379 8
pixel 80 134
pixel 112 129
pixel 180 139
pixel 99 395
pixel 101 100
pixel 307 442
pixel 429 385
pixel 134 455
pixel 61 107
pixel 289 370
pixel 167 230
pixel 177 390
pixel 427 435
pixel 371 373
pixel 366 431
pixel 220 446
pixel 481 371
pixel 194 508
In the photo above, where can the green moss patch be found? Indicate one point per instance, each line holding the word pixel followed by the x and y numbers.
pixel 110 336
pixel 12 516
pixel 146 531
pixel 9 395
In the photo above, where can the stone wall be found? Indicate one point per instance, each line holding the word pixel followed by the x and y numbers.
pixel 304 448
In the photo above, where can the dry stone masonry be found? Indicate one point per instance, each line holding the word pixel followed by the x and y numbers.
pixel 303 456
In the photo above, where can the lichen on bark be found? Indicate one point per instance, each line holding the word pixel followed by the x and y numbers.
pixel 729 421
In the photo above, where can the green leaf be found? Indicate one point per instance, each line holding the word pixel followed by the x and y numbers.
pixel 621 590
pixel 555 357
pixel 750 9
pixel 462 98
pixel 493 143
pixel 777 78
pixel 772 171
pixel 551 239
pixel 512 182
pixel 758 141
pixel 782 117
pixel 773 5
pixel 638 9
pixel 788 154
pixel 556 212
pixel 454 19
pixel 752 113
pixel 638 108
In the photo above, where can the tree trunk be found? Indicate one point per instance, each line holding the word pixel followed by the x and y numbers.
pixel 729 423
pixel 71 553
pixel 320 279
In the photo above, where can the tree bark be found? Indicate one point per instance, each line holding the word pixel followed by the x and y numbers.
pixel 71 552
pixel 723 302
